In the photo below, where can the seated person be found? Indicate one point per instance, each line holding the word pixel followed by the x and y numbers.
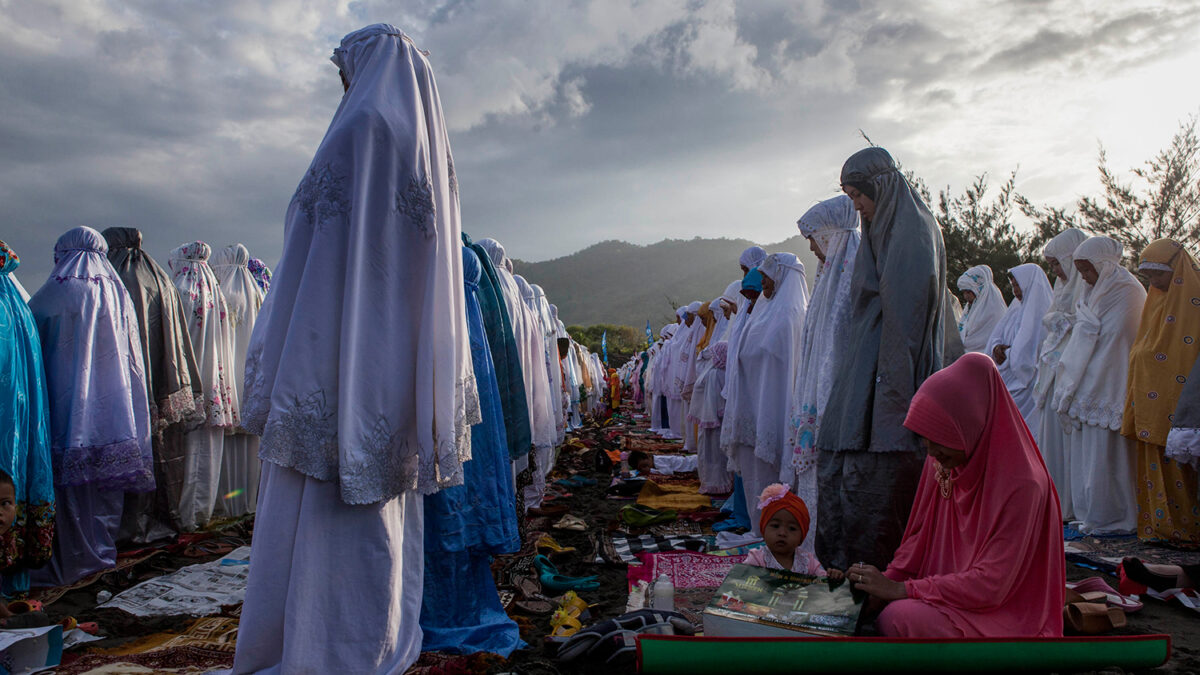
pixel 982 556
pixel 784 525
pixel 644 463
pixel 8 515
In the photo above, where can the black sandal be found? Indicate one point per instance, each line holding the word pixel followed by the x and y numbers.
pixel 1135 570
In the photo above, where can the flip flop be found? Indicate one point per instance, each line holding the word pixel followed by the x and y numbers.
pixel 1093 618
pixel 25 606
pixel 564 625
pixel 1111 597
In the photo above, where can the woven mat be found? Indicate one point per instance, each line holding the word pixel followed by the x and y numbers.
pixel 49 595
pixel 680 498
pixel 1105 553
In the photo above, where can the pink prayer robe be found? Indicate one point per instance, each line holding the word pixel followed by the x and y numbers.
pixel 986 561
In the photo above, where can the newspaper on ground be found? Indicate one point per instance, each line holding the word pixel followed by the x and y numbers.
pixel 196 590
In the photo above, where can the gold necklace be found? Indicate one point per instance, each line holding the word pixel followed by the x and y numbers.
pixel 945 481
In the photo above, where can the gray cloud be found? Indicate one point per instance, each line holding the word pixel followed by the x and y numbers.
pixel 571 122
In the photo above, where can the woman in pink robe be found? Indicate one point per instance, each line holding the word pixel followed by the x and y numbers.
pixel 983 552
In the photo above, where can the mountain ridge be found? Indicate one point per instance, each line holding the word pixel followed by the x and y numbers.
pixel 616 282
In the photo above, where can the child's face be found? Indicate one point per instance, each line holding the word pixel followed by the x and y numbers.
pixel 783 534
pixel 8 507
pixel 645 466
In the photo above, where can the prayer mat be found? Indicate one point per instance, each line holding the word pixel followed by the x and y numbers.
pixel 49 595
pixel 696 655
pixel 204 645
pixel 684 568
pixel 682 479
pixel 1106 553
pixel 441 663
pixel 679 498
pixel 626 547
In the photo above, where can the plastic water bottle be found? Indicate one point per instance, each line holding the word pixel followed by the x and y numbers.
pixel 664 594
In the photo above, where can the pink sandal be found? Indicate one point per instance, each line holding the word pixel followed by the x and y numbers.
pixel 1111 598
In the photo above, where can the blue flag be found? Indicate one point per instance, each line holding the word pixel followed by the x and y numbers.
pixel 649 333
pixel 604 346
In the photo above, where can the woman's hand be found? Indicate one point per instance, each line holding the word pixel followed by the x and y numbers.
pixel 835 575
pixel 869 579
pixel 1000 354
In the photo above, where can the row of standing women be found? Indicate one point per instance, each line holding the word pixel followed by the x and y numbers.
pixel 1099 367
pixel 122 384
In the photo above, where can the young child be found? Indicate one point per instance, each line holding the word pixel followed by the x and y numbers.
pixel 784 524
pixel 8 515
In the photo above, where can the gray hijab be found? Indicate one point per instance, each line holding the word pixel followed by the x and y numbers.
pixel 898 290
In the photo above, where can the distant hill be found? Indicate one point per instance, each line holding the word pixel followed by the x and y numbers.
pixel 620 283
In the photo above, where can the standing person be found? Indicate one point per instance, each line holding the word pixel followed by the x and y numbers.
pixel 754 430
pixel 99 417
pixel 985 308
pixel 1017 338
pixel 1091 387
pixel 210 327
pixel 1164 354
pixel 868 464
pixel 172 383
pixel 373 407
pixel 707 411
pixel 262 274
pixel 467 524
pixel 831 228
pixel 1059 320
pixel 240 466
pixel 24 435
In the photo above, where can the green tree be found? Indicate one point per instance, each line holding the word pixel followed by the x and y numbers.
pixel 979 230
pixel 623 341
pixel 1163 200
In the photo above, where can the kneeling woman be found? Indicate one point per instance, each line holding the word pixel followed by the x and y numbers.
pixel 983 552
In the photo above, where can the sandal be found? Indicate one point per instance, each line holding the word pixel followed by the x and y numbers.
pixel 556 583
pixel 531 600
pixel 1096 585
pixel 548 511
pixel 1136 571
pixel 563 625
pixel 572 523
pixel 547 545
pixel 25 606
pixel 1093 618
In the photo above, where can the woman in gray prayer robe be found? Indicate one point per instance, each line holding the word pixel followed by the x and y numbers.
pixel 868 464
pixel 172 383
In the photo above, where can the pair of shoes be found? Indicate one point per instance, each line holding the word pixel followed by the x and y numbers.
pixel 529 598
pixel 556 583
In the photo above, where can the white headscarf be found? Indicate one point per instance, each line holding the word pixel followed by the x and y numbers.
pixel 243 298
pixel 1094 367
pixel 977 323
pixel 758 399
pixel 95 377
pixel 1061 315
pixel 359 368
pixel 1022 330
pixel 834 224
pixel 752 257
pixel 211 329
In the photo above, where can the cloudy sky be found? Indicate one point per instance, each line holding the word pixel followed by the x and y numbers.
pixel 573 122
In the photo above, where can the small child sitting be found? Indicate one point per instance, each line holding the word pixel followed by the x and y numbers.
pixel 784 525
pixel 8 515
